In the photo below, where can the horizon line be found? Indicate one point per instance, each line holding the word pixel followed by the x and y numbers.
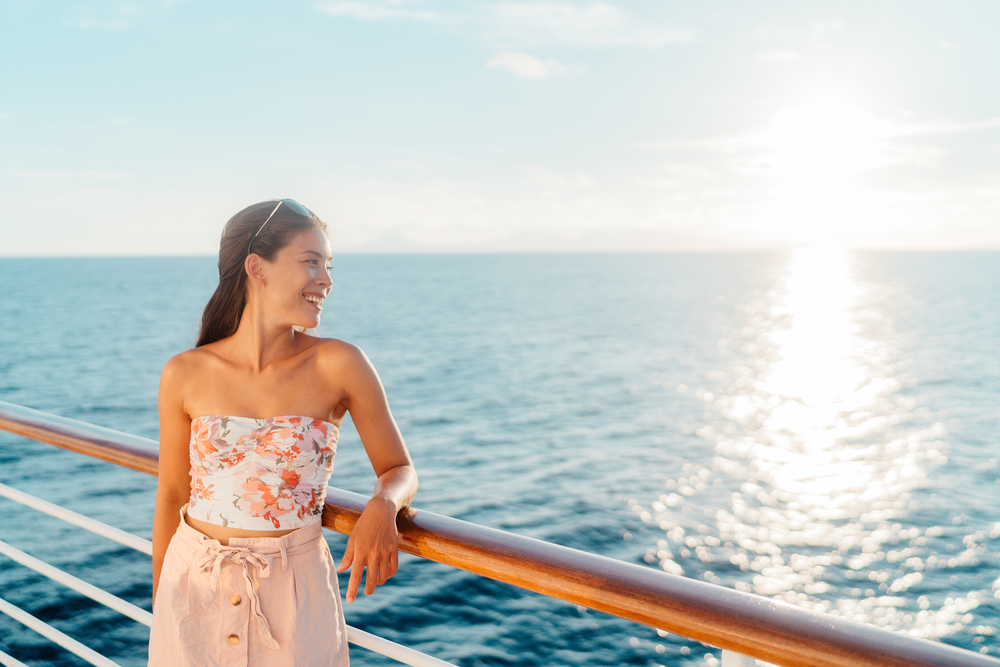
pixel 676 251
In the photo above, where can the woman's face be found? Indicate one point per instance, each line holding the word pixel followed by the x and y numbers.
pixel 298 280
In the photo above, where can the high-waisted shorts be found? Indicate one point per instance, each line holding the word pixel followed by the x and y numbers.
pixel 259 602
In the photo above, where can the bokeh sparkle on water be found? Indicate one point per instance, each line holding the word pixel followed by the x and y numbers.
pixel 818 427
pixel 826 453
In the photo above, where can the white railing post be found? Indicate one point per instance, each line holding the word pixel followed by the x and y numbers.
pixel 734 659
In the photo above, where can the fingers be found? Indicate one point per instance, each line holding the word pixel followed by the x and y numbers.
pixel 353 583
pixel 370 578
pixel 376 572
pixel 388 568
pixel 348 558
pixel 383 573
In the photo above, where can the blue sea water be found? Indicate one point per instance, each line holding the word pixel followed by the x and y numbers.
pixel 816 426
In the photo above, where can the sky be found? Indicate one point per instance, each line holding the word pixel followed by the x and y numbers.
pixel 139 128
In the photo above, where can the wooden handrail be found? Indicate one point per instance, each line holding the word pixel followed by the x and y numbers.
pixel 750 624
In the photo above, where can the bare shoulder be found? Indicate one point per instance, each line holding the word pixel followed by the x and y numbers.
pixel 336 354
pixel 345 361
pixel 189 365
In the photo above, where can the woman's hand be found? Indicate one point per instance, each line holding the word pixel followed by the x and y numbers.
pixel 372 546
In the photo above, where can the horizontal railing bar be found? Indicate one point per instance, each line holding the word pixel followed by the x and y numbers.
pixel 69 516
pixel 124 449
pixel 391 649
pixel 10 661
pixel 54 635
pixel 748 624
pixel 79 585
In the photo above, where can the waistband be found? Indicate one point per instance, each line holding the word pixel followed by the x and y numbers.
pixel 299 540
pixel 254 555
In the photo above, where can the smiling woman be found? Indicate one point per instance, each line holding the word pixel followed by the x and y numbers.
pixel 249 424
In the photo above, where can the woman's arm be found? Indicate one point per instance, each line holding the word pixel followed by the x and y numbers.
pixel 373 544
pixel 173 487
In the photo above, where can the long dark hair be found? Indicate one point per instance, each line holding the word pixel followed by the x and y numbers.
pixel 225 308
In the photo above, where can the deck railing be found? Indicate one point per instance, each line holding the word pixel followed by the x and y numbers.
pixel 741 624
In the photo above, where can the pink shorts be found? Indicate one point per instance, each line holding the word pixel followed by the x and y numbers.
pixel 259 602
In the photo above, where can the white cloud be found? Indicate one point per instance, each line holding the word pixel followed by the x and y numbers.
pixel 927 157
pixel 528 66
pixel 374 11
pixel 406 165
pixel 512 23
pixel 120 19
pixel 728 144
pixel 760 164
pixel 596 24
pixel 888 144
pixel 901 143
pixel 109 25
pixel 77 174
pixel 463 215
pixel 684 170
pixel 416 213
pixel 770 54
pixel 673 175
pixel 536 175
pixel 946 127
pixel 825 27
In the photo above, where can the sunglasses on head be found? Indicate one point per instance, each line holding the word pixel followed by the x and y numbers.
pixel 290 203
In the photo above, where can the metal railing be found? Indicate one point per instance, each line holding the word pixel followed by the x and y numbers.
pixel 744 625
pixel 354 635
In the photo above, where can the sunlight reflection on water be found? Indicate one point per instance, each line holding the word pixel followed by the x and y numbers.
pixel 825 452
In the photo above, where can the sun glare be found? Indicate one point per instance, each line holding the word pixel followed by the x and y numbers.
pixel 824 142
pixel 812 152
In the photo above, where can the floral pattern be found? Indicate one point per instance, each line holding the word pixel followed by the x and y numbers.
pixel 260 474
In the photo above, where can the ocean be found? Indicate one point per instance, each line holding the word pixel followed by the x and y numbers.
pixel 817 426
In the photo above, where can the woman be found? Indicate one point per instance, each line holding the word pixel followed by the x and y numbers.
pixel 249 421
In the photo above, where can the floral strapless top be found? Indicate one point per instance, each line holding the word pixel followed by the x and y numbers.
pixel 260 474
